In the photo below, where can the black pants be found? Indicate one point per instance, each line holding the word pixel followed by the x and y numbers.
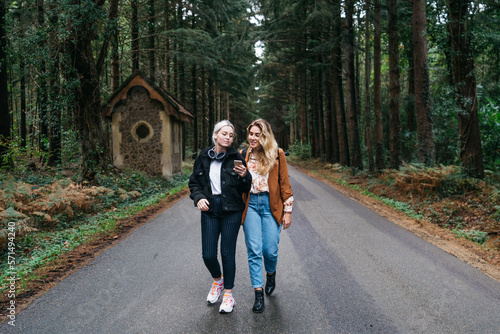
pixel 227 225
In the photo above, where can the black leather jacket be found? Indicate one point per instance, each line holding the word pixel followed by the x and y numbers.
pixel 232 185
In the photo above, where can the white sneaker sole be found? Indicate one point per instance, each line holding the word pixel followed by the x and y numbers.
pixel 226 312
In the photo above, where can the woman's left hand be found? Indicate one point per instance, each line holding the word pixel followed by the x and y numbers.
pixel 287 220
pixel 241 170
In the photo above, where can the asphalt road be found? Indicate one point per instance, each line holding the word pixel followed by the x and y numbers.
pixel 342 269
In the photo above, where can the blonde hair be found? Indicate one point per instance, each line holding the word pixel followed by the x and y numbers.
pixel 266 153
pixel 219 126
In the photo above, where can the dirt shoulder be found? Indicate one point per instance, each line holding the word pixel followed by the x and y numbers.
pixel 467 251
pixel 71 261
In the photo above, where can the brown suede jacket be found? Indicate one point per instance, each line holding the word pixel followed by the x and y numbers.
pixel 279 187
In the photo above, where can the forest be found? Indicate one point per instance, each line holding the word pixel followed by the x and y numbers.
pixel 366 84
pixel 396 100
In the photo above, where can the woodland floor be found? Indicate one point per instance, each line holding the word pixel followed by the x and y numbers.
pixel 484 257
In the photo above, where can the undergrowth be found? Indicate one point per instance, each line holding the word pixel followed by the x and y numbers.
pixel 50 215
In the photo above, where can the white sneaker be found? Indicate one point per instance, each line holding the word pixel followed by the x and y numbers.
pixel 214 294
pixel 227 304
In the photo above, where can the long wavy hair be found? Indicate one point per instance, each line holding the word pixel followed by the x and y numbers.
pixel 266 153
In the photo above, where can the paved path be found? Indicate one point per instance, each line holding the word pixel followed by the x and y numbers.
pixel 342 269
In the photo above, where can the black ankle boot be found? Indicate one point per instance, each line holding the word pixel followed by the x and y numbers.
pixel 258 306
pixel 270 283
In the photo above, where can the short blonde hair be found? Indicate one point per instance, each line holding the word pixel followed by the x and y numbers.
pixel 219 126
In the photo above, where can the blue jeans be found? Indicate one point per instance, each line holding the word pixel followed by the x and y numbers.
pixel 262 235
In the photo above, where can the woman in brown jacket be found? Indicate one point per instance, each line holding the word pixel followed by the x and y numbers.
pixel 268 206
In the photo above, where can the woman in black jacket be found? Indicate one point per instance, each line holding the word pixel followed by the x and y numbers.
pixel 218 181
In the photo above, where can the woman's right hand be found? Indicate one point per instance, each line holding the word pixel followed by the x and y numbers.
pixel 203 204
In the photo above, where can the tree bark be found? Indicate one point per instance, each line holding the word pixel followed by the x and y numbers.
pixel 394 86
pixel 423 103
pixel 204 112
pixel 4 103
pixel 88 116
pixel 42 84
pixel 135 35
pixel 464 80
pixel 151 40
pixel 194 107
pixel 338 99
pixel 303 104
pixel 352 113
pixel 22 84
pixel 328 122
pixel 54 111
pixel 378 136
pixel 115 60
pixel 167 46
pixel 411 122
pixel 368 70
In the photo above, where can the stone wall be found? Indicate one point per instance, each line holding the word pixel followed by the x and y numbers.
pixel 140 128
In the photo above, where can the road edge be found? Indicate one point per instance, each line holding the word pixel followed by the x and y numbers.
pixel 462 249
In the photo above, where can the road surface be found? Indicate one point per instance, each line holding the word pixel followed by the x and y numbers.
pixel 342 269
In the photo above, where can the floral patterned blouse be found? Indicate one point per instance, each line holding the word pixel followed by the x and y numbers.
pixel 260 182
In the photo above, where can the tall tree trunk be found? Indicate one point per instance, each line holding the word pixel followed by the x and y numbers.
pixel 211 106
pixel 394 87
pixel 303 104
pixel 194 108
pixel 321 128
pixel 115 60
pixel 54 111
pixel 464 80
pixel 88 117
pixel 423 103
pixel 338 98
pixel 411 120
pixel 313 113
pixel 328 129
pixel 378 135
pixel 204 110
pixel 352 113
pixel 167 46
pixel 4 92
pixel 151 40
pixel 296 102
pixel 368 71
pixel 180 62
pixel 55 151
pixel 135 35
pixel 22 84
pixel 42 84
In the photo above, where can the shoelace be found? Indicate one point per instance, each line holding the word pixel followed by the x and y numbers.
pixel 215 288
pixel 228 300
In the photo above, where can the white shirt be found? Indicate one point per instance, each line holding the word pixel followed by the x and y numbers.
pixel 215 167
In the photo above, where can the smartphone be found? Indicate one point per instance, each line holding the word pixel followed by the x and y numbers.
pixel 238 163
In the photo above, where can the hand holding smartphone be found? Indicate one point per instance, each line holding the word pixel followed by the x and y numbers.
pixel 238 163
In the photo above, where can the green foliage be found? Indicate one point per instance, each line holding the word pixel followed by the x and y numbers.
pixel 489 120
pixel 457 184
pixel 479 237
pixel 446 126
pixel 299 150
pixel 35 248
pixel 403 207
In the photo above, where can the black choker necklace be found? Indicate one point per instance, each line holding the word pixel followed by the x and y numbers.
pixel 214 156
